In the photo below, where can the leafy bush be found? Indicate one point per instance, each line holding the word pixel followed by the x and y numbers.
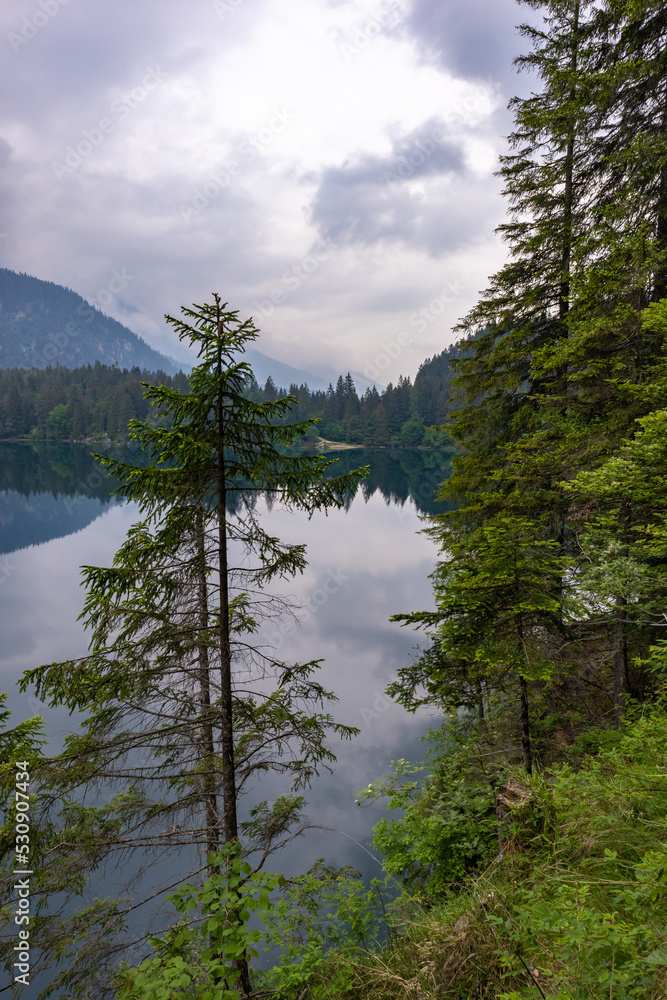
pixel 198 960
pixel 323 924
pixel 448 827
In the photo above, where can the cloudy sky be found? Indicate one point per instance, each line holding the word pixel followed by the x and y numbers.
pixel 326 166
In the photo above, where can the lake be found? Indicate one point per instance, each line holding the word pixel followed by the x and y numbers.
pixel 365 564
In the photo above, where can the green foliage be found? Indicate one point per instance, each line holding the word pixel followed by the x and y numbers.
pixel 97 401
pixel 448 824
pixel 549 598
pixel 589 902
pixel 412 432
pixel 202 961
pixel 323 923
pixel 623 521
pixel 93 402
pixel 436 437
pixel 177 712
pixel 574 908
pixel 58 423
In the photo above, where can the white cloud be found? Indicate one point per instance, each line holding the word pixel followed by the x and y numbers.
pixel 255 117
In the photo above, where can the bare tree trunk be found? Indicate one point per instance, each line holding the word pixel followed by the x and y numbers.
pixel 210 800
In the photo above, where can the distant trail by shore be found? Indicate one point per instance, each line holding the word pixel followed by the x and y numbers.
pixel 323 445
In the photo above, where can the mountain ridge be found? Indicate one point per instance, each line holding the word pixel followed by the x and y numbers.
pixel 43 323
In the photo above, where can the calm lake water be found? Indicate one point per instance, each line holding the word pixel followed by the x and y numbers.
pixel 57 512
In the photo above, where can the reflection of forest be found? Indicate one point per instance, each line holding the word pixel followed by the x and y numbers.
pixel 48 491
pixel 63 470
pixel 400 474
pixel 52 490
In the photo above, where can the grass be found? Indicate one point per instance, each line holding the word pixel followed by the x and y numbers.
pixel 575 909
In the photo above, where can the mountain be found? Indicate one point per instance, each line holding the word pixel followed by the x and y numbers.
pixel 285 375
pixel 44 324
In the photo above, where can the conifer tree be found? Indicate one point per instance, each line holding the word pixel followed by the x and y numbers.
pixel 562 359
pixel 496 605
pixel 183 703
pixel 547 177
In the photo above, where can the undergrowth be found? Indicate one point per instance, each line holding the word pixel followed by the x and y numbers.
pixel 575 906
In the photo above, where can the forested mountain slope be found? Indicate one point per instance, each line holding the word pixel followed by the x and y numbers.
pixel 42 324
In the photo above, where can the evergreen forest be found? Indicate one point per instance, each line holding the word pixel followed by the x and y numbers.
pixel 526 854
pixel 96 402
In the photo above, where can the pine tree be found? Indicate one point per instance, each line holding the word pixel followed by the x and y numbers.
pixel 548 175
pixel 495 604
pixel 632 141
pixel 180 715
pixel 554 379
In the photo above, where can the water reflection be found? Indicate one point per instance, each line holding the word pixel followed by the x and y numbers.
pixel 53 490
pixel 48 491
pixel 365 564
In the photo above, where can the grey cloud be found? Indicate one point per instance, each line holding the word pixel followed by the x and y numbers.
pixel 75 230
pixel 477 39
pixel 367 202
pixel 67 72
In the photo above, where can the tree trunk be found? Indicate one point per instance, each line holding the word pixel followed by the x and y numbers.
pixel 660 276
pixel 525 714
pixel 621 685
pixel 568 193
pixel 525 726
pixel 226 698
pixel 209 796
pixel 481 716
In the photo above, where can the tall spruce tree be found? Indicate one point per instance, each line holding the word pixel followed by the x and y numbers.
pixel 563 359
pixel 183 703
pixel 548 175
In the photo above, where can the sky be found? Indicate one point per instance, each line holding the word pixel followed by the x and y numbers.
pixel 326 167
